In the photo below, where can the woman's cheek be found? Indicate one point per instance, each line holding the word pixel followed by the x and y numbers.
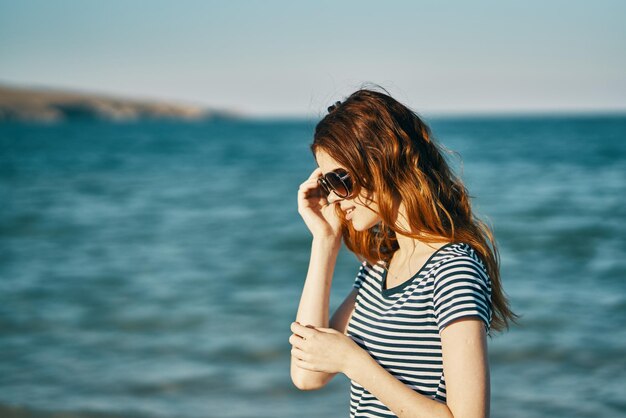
pixel 364 220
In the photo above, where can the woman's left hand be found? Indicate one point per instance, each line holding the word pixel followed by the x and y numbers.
pixel 321 349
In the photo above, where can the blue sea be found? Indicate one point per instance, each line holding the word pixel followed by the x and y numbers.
pixel 153 269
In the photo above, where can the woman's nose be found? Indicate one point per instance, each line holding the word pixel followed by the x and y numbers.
pixel 332 198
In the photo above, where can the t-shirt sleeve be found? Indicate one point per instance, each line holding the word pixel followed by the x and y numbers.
pixel 462 289
pixel 360 276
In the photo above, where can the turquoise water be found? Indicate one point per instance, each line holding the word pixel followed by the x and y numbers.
pixel 153 269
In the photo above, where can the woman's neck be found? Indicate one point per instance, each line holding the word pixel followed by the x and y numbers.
pixel 410 247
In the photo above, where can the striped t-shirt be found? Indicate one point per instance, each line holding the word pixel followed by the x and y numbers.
pixel 400 327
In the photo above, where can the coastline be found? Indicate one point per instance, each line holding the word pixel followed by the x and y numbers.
pixel 51 105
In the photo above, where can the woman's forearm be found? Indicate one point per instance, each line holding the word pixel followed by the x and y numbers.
pixel 314 304
pixel 313 307
pixel 399 398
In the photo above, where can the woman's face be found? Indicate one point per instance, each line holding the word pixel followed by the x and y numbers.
pixel 362 213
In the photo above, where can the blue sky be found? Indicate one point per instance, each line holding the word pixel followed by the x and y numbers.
pixel 293 58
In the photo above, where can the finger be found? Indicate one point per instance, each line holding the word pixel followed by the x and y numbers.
pixel 299 354
pixel 315 173
pixel 295 341
pixel 303 364
pixel 311 199
pixel 327 330
pixel 307 186
pixel 302 331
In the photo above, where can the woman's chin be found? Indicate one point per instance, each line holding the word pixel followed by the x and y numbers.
pixel 356 227
pixel 360 226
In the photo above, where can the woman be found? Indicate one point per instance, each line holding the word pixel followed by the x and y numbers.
pixel 428 290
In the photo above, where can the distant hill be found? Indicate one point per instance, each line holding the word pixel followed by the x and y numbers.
pixel 49 105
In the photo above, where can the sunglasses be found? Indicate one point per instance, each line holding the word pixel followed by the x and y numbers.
pixel 338 181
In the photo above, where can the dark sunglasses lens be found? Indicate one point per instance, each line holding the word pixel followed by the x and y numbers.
pixel 322 183
pixel 341 187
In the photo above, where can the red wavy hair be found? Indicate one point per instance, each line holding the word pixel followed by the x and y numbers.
pixel 391 154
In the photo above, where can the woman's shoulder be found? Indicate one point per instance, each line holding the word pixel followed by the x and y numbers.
pixel 445 252
pixel 460 257
pixel 458 249
pixel 462 287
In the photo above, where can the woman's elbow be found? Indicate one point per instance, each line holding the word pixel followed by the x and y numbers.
pixel 309 380
pixel 303 384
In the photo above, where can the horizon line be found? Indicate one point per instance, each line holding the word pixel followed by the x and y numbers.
pixel 242 114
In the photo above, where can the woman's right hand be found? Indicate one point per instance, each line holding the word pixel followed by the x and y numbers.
pixel 317 211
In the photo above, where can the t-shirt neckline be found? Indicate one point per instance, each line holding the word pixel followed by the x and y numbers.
pixel 395 289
